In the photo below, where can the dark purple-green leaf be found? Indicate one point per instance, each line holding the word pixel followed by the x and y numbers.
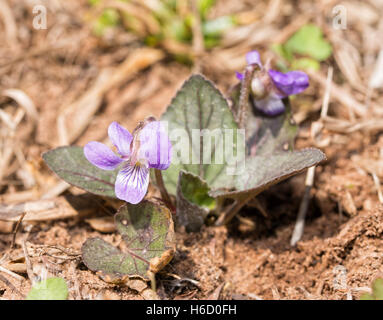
pixel 148 233
pixel 261 172
pixel 193 201
pixel 70 164
pixel 269 151
pixel 199 106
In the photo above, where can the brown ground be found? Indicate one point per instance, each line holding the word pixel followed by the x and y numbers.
pixel 341 251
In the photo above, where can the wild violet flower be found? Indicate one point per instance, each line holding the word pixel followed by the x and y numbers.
pixel 148 147
pixel 269 87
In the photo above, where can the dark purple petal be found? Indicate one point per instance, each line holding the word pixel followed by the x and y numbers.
pixel 155 145
pixel 101 156
pixel 253 57
pixel 120 137
pixel 289 83
pixel 239 76
pixel 132 183
pixel 272 105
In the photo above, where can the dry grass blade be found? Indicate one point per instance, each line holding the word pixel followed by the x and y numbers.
pixel 341 95
pixel 300 223
pixel 84 108
pixel 12 274
pixel 376 80
pixel 24 101
pixel 9 21
pixel 40 210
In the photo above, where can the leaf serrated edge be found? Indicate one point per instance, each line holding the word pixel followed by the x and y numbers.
pixel 234 194
pixel 44 155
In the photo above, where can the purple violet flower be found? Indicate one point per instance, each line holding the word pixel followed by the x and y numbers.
pixel 269 86
pixel 148 147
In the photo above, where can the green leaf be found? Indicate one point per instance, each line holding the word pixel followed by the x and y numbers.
pixel 193 201
pixel 282 51
pixel 309 40
pixel 305 64
pixel 214 28
pixel 109 18
pixel 261 172
pixel 377 288
pixel 199 106
pixel 269 152
pixel 70 164
pixel 204 6
pixel 367 296
pixel 148 233
pixel 377 291
pixel 49 289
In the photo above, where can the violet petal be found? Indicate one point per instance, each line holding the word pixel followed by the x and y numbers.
pixel 272 105
pixel 239 75
pixel 155 145
pixel 253 57
pixel 101 156
pixel 132 183
pixel 120 137
pixel 292 82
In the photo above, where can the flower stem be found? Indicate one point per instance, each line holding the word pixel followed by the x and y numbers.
pixel 164 193
pixel 232 210
pixel 244 95
pixel 152 277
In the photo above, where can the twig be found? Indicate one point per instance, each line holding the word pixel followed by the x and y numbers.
pixel 300 223
pixel 9 284
pixel 16 230
pixel 76 283
pixel 341 95
pixel 28 262
pixel 15 275
pixel 326 98
pixel 377 186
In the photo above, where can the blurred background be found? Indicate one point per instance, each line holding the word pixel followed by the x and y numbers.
pixel 69 68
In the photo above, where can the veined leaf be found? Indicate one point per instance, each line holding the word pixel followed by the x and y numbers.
pixel 261 172
pixel 269 152
pixel 70 164
pixel 149 244
pixel 193 201
pixel 200 113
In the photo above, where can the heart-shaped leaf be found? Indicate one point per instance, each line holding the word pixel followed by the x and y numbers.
pixel 193 201
pixel 149 244
pixel 309 40
pixel 269 155
pixel 200 114
pixel 49 289
pixel 377 291
pixel 70 164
